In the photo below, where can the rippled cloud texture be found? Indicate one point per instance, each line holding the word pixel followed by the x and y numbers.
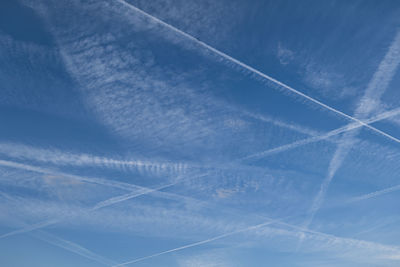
pixel 199 133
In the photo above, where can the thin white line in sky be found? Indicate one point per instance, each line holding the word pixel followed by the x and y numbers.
pixel 255 71
pixel 312 139
pixel 196 243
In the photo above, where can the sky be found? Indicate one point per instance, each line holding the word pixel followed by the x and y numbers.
pixel 199 133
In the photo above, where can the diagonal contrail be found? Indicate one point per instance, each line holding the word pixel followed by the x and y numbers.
pixel 255 71
pixel 99 205
pixel 139 191
pixel 197 243
pixel 57 241
pixel 376 193
pixel 99 181
pixel 368 103
pixel 324 136
pixel 30 228
pixel 297 229
pixel 72 247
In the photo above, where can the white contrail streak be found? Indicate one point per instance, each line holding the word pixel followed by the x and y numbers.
pixel 376 193
pixel 324 136
pixel 57 241
pixel 102 204
pixel 255 71
pixel 114 200
pixel 72 247
pixel 331 238
pixel 30 228
pixel 196 243
pixel 57 157
pixel 369 102
pixel 105 182
pixel 110 183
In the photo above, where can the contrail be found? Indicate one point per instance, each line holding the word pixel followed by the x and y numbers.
pixel 102 204
pixel 110 183
pixel 196 243
pixel 30 228
pixel 297 229
pixel 255 71
pixel 57 157
pixel 114 200
pixel 324 136
pixel 376 193
pixel 368 103
pixel 57 241
pixel 70 246
pixel 144 190
pixel 105 182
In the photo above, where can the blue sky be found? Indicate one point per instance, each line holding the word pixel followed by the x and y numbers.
pixel 199 133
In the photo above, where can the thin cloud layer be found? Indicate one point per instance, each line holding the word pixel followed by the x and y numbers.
pixel 186 133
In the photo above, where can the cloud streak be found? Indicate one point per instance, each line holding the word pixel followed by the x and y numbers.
pixel 72 247
pixel 261 74
pixel 195 244
pixel 346 128
pixel 58 157
pixel 111 201
pixel 368 104
pixel 376 193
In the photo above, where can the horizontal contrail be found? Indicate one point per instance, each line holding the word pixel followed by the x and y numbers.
pixel 312 139
pixel 196 243
pixel 105 182
pixel 57 157
pixel 255 71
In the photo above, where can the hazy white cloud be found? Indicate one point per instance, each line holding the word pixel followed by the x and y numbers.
pixel 57 157
pixel 284 55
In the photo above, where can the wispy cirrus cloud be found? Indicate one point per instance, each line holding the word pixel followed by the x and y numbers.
pixel 155 105
pixel 261 74
pixel 60 158
pixel 152 219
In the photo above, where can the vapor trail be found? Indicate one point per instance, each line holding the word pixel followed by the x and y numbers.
pixel 71 246
pixel 99 205
pixel 376 193
pixel 255 71
pixel 368 103
pixel 196 243
pixel 324 136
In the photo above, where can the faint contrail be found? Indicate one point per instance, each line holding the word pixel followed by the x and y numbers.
pixel 105 182
pixel 255 71
pixel 102 204
pixel 324 136
pixel 197 243
pixel 368 103
pixel 114 200
pixel 70 246
pixel 91 180
pixel 55 156
pixel 30 228
pixel 57 241
pixel 376 193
